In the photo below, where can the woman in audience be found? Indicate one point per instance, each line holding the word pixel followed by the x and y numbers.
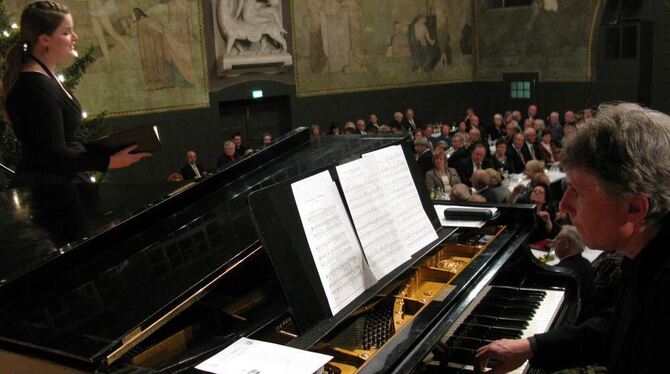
pixel 498 129
pixel 548 150
pixel 533 168
pixel 501 191
pixel 334 129
pixel 315 129
pixel 546 226
pixel 500 160
pixel 463 133
pixel 441 178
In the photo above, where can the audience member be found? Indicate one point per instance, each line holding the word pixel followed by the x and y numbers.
pixel 569 118
pixel 460 192
pixel 477 161
pixel 333 129
pixel 500 159
pixel 533 167
pixel 192 169
pixel 361 127
pixel 373 124
pixel 239 147
pixel 532 146
pixel 463 132
pixel 267 139
pixel 501 191
pixel 568 247
pixel 441 178
pixel 569 132
pixel 349 128
pixel 425 156
pixel 548 149
pixel 532 112
pixel 546 227
pixel 511 129
pixel 444 135
pixel 409 123
pixel 516 155
pixel 555 127
pixel 457 151
pixel 315 129
pixel 481 181
pixel 497 130
pixel 229 155
pixel 539 126
pixel 396 122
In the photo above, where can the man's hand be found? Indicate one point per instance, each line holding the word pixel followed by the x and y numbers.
pixel 510 354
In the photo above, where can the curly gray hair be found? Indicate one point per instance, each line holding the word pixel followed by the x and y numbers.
pixel 627 148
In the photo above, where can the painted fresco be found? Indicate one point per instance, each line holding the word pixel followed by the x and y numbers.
pixel 149 54
pixel 351 45
pixel 552 37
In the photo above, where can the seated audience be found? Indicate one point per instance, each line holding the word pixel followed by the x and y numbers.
pixel 533 167
pixel 229 155
pixel 192 169
pixel 481 181
pixel 497 130
pixel 500 159
pixel 373 124
pixel 349 128
pixel 511 129
pixel 568 247
pixel 548 149
pixel 554 126
pixel 477 161
pixel 517 154
pixel 396 122
pixel 460 192
pixel 532 146
pixel 444 135
pixel 441 177
pixel 315 129
pixel 409 123
pixel 546 227
pixel 361 127
pixel 462 131
pixel 425 156
pixel 267 139
pixel 334 129
pixel 239 147
pixel 457 151
pixel 501 191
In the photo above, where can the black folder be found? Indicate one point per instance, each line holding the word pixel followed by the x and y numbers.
pixel 145 137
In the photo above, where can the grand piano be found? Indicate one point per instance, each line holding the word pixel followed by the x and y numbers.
pixel 156 278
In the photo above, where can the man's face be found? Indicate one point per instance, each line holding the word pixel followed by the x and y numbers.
pixel 474 121
pixel 599 218
pixel 190 157
pixel 531 136
pixel 229 150
pixel 373 118
pixel 237 140
pixel 478 155
pixel 518 140
pixel 397 116
pixel 409 113
pixel 553 118
pixel 474 136
pixel 360 125
pixel 445 129
pixel 532 111
pixel 267 139
pixel 419 148
pixel 428 132
pixel 569 116
pixel 457 143
pixel 517 115
pixel 509 129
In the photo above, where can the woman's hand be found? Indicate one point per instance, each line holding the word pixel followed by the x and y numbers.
pixel 124 158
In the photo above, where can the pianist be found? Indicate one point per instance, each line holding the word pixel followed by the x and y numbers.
pixel 618 170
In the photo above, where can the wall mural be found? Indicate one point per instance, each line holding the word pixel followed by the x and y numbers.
pixel 149 54
pixel 552 37
pixel 350 45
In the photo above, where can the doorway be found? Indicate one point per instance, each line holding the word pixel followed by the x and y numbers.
pixel 252 118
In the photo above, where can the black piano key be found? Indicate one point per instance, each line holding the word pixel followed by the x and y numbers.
pixel 465 342
pixel 496 322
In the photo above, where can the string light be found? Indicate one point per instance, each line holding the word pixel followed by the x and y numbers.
pixel 92 179
pixel 5 33
pixel 84 115
pixel 61 78
pixel 14 26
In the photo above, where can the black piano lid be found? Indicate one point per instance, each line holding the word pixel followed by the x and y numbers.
pixel 154 257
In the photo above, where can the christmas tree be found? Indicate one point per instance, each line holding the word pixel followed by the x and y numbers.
pixel 10 147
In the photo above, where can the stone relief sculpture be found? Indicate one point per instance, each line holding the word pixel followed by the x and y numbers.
pixel 253 33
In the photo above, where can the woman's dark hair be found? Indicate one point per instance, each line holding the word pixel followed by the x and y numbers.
pixel 38 18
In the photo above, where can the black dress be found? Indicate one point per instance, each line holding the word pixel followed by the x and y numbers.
pixel 46 122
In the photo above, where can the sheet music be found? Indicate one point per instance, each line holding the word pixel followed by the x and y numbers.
pixel 401 196
pixel 247 356
pixel 377 231
pixel 337 254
